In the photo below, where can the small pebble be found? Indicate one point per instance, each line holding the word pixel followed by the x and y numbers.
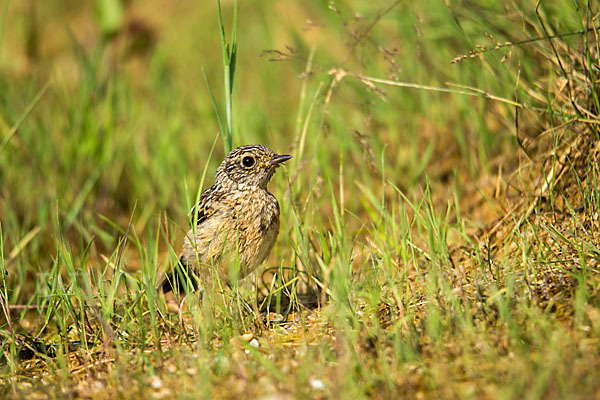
pixel 156 382
pixel 317 384
pixel 247 337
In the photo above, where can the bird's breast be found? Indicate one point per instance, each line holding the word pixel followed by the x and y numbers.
pixel 256 216
pixel 256 211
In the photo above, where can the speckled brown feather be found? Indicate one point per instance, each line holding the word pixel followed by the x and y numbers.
pixel 237 221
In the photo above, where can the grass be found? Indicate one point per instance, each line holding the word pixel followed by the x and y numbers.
pixel 439 229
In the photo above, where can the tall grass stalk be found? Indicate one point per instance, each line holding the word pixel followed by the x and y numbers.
pixel 229 50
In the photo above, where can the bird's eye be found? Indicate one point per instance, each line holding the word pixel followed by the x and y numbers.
pixel 248 161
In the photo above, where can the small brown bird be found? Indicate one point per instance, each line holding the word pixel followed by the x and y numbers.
pixel 237 221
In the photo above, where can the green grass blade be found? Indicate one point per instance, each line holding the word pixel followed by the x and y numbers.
pixel 224 134
pixel 13 130
pixel 229 51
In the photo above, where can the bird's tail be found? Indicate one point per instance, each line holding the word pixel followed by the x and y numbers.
pixel 181 279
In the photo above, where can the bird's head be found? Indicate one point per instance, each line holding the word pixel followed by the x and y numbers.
pixel 250 166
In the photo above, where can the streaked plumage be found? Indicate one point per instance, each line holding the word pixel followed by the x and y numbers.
pixel 237 220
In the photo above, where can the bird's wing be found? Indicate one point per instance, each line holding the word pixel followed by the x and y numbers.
pixel 205 207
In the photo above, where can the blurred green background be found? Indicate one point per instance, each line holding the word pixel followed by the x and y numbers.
pixel 417 210
pixel 127 115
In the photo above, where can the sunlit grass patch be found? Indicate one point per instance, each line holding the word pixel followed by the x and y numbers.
pixel 439 233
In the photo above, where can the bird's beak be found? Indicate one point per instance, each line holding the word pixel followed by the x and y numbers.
pixel 278 159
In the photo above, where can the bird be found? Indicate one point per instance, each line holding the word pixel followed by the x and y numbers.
pixel 236 222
